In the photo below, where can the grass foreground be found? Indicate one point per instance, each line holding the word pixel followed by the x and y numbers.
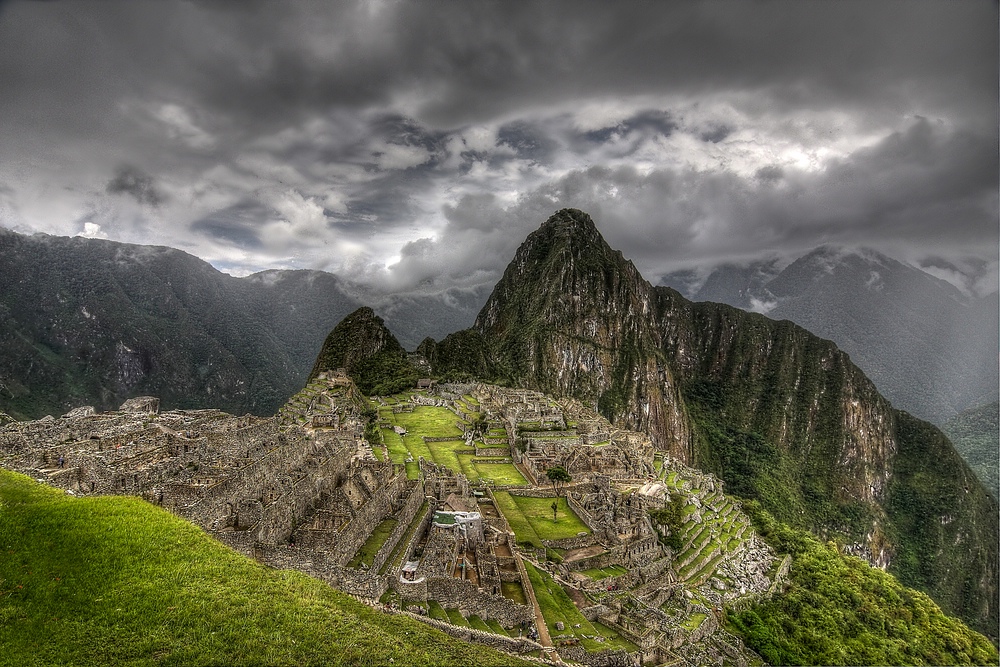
pixel 116 581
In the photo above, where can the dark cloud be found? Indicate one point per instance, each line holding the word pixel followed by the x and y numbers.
pixel 238 224
pixel 528 140
pixel 693 131
pixel 771 173
pixel 716 133
pixel 135 183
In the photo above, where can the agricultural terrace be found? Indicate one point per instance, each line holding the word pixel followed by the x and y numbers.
pixel 438 422
pixel 556 605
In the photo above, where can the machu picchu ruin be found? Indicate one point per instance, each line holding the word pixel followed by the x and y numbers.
pixel 436 503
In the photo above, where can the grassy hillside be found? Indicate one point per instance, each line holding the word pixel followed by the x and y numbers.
pixel 115 581
pixel 840 611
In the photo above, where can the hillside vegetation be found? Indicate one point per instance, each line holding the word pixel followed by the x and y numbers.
pixel 116 581
pixel 94 322
pixel 840 611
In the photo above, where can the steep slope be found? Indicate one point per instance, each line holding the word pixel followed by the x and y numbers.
pixel 571 316
pixel 153 589
pixel 927 347
pixel 368 352
pixel 975 434
pixel 94 322
pixel 780 414
pixel 87 321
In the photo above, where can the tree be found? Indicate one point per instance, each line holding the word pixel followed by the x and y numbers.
pixel 479 427
pixel 555 509
pixel 557 475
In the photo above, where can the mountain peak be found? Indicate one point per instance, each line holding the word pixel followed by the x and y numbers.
pixel 360 335
pixel 562 267
pixel 570 221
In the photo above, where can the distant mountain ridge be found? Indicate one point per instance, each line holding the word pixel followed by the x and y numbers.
pixel 929 348
pixel 780 414
pixel 976 434
pixel 89 321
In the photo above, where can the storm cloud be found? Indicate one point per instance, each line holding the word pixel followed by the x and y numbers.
pixel 412 146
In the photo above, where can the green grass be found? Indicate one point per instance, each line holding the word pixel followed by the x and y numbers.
pixel 519 523
pixel 456 618
pixel 366 554
pixel 116 581
pixel 434 422
pixel 838 610
pixel 445 454
pixel 500 473
pixel 479 624
pixel 395 558
pixel 435 610
pixel 538 512
pixel 556 605
pixel 513 591
pixel 495 626
pixel 430 421
pixel 694 621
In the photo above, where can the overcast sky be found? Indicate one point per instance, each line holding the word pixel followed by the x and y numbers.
pixel 413 145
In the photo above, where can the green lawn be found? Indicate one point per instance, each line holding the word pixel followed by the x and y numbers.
pixel 479 624
pixel 446 454
pixel 116 581
pixel 539 514
pixel 495 626
pixel 456 618
pixel 497 473
pixel 500 473
pixel 430 421
pixel 366 554
pixel 437 422
pixel 513 591
pixel 523 530
pixel 435 610
pixel 556 605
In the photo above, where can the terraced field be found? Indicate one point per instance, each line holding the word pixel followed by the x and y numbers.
pixel 435 422
pixel 557 606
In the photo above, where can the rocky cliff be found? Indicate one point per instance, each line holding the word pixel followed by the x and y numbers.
pixel 780 414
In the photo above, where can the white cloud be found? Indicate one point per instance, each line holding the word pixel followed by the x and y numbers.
pixel 92 230
pixel 396 156
pixel 180 125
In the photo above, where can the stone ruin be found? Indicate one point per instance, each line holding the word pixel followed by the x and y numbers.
pixel 304 489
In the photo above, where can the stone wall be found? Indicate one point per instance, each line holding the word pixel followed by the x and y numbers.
pixel 500 642
pixel 405 515
pixel 577 542
pixel 366 585
pixel 493 451
pixel 376 508
pixel 452 593
pixel 615 658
